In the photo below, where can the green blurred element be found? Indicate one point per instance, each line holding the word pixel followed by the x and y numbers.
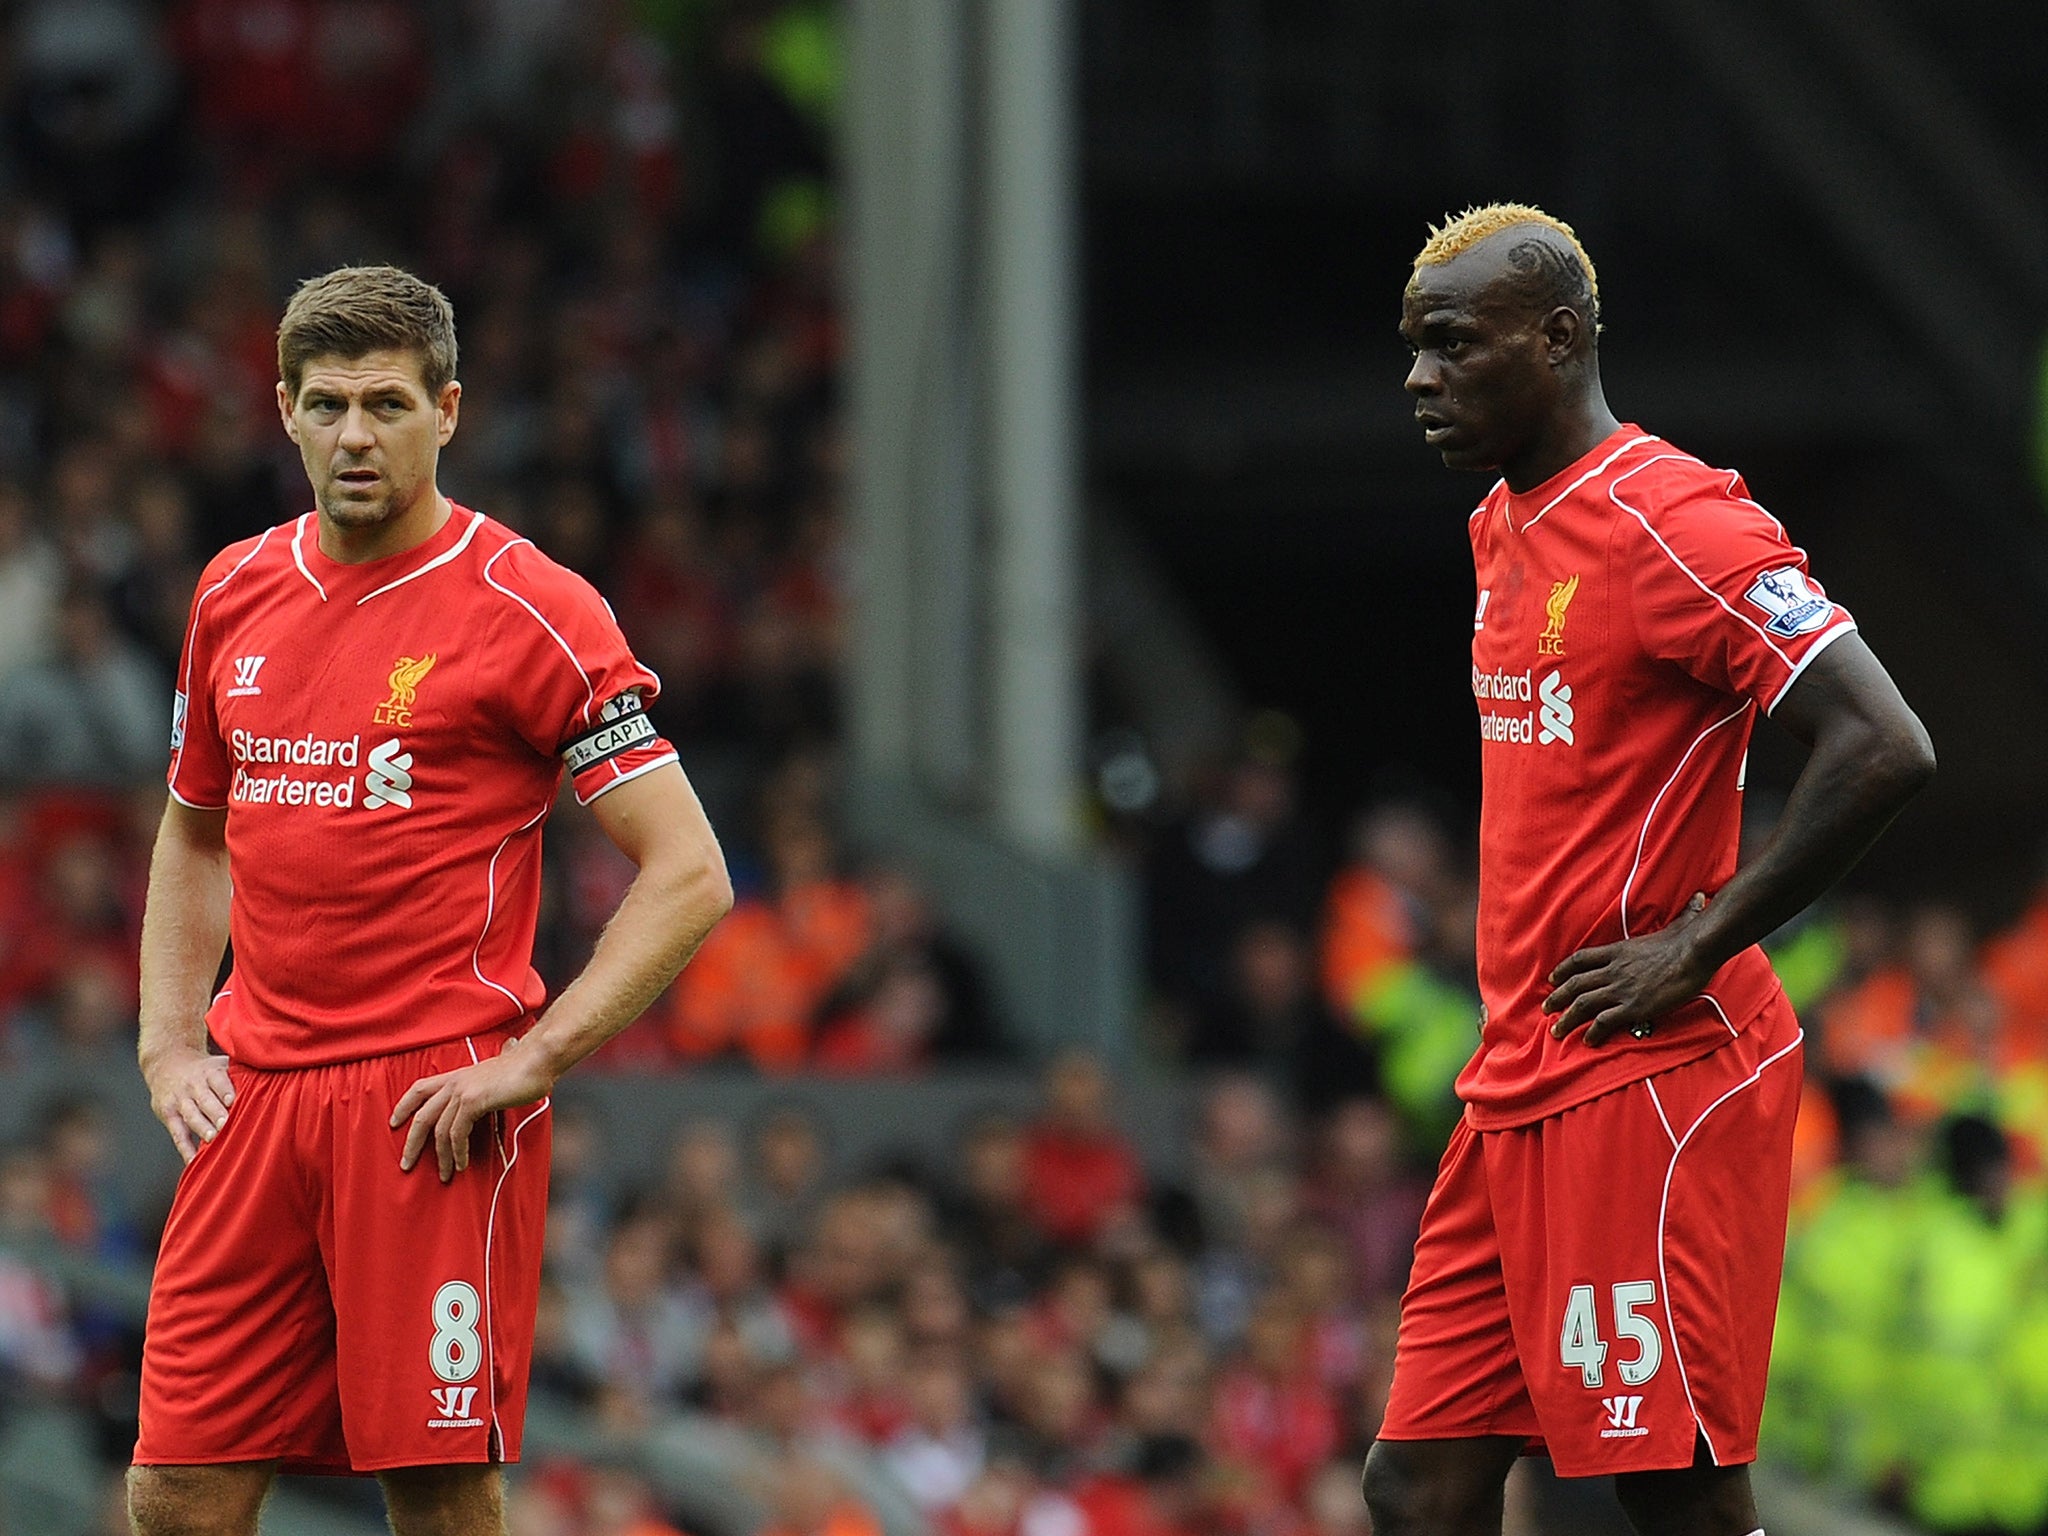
pixel 675 24
pixel 793 211
pixel 800 51
pixel 1971 1371
pixel 1913 1343
pixel 1843 1322
pixel 1424 1027
pixel 1808 959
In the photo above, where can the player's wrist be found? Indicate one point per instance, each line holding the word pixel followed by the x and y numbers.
pixel 154 1050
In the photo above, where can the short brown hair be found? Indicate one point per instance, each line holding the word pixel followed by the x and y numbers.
pixel 353 311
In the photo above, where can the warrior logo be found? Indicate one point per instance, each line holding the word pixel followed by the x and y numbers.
pixel 405 687
pixel 1621 1412
pixel 246 668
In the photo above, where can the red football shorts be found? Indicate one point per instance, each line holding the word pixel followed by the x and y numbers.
pixel 1604 1282
pixel 315 1306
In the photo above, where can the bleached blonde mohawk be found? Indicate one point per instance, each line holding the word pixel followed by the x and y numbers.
pixel 1455 236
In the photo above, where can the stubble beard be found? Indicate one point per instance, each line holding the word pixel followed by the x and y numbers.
pixel 351 512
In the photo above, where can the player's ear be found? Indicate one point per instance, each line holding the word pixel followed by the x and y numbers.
pixel 284 411
pixel 448 408
pixel 1562 330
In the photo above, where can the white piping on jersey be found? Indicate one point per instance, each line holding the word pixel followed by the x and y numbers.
pixel 476 955
pixel 476 521
pixel 193 805
pixel 1592 474
pixel 1812 651
pixel 621 778
pixel 191 635
pixel 1664 1207
pixel 299 558
pixel 1614 495
pixel 1643 837
pixel 1827 639
pixel 1715 1003
pixel 589 689
pixel 1762 510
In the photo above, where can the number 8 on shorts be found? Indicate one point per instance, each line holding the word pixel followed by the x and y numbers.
pixel 456 1351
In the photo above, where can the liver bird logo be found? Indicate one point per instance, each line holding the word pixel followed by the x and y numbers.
pixel 405 680
pixel 1551 641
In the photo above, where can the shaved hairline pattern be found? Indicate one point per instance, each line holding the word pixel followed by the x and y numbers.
pixel 1559 275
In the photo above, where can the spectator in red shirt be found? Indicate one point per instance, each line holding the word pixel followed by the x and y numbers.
pixel 1079 1172
pixel 1271 1415
pixel 1161 1494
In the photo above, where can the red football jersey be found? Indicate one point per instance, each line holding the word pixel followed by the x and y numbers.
pixel 1635 611
pixel 387 740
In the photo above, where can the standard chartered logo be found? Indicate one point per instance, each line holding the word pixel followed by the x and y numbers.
pixel 1556 696
pixel 388 780
pixel 1551 722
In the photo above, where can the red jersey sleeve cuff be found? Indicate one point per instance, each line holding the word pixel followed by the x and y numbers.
pixel 609 775
pixel 1821 642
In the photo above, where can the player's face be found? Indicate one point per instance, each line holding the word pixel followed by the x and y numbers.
pixel 370 434
pixel 1484 385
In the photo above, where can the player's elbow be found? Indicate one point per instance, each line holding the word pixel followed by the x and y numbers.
pixel 1904 760
pixel 718 892
pixel 707 882
pixel 1916 756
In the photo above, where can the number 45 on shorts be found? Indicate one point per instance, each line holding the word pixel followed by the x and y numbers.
pixel 1579 1342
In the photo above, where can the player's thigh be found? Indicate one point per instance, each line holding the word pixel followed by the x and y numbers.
pixel 435 1285
pixel 1456 1374
pixel 198 1500
pixel 461 1500
pixel 1641 1234
pixel 1439 1487
pixel 1700 1500
pixel 238 1353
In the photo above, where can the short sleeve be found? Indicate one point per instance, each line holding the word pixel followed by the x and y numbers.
pixel 1718 589
pixel 571 683
pixel 199 769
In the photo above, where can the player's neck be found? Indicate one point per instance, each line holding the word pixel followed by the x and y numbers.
pixel 394 536
pixel 1575 434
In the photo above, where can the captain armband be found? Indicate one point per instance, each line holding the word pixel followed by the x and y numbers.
pixel 623 725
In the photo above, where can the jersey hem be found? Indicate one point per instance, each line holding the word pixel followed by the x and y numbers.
pixel 485 1032
pixel 1481 1119
pixel 195 805
pixel 1812 652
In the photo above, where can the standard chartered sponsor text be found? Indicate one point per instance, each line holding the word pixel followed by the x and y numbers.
pixel 309 750
pixel 285 788
pixel 1501 685
pixel 1494 727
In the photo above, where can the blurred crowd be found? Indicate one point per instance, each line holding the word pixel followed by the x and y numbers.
pixel 1032 1334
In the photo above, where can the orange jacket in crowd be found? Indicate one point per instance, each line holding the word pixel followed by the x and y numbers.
pixel 755 986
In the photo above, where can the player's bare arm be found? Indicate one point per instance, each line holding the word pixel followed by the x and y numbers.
pixel 1869 755
pixel 681 891
pixel 184 932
